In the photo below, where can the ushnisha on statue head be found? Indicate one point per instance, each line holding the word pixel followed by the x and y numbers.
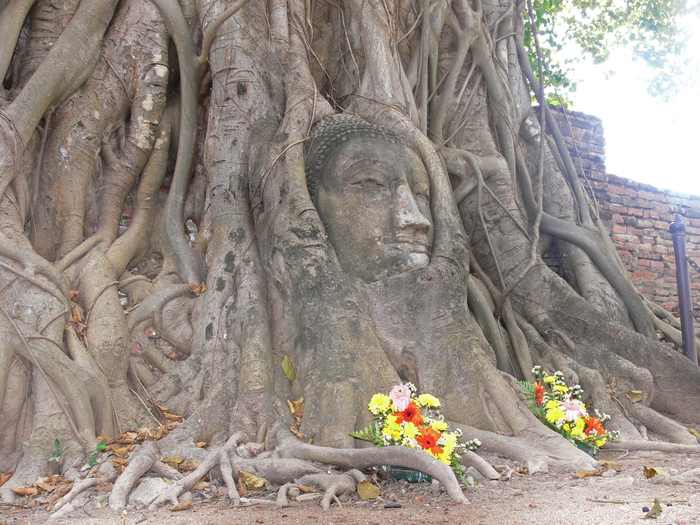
pixel 372 193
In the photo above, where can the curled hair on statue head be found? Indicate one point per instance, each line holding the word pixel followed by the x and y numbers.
pixel 330 134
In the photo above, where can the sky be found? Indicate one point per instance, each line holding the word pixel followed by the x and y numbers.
pixel 647 139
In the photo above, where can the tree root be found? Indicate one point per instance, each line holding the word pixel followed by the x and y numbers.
pixel 335 485
pixel 155 302
pixel 290 447
pixel 64 506
pixel 227 474
pixel 139 464
pixel 522 448
pixel 660 446
pixel 172 493
pixel 483 467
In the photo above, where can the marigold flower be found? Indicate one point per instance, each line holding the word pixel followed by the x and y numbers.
pixel 549 379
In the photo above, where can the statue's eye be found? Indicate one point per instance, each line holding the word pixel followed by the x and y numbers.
pixel 369 183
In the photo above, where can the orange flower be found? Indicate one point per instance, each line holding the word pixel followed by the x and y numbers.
pixel 594 426
pixel 539 393
pixel 428 440
pixel 411 414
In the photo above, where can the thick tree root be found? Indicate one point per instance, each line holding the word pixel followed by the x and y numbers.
pixel 334 485
pixel 227 474
pixel 660 446
pixel 173 492
pixel 534 449
pixel 362 458
pixel 141 463
pixel 483 467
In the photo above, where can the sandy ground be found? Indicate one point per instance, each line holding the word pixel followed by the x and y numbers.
pixel 617 497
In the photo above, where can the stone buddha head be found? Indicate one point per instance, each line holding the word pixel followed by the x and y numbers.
pixel 372 193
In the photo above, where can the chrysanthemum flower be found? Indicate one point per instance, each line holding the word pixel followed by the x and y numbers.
pixel 379 404
pixel 428 400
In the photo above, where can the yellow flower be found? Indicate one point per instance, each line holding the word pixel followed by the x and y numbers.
pixel 579 425
pixel 392 429
pixel 600 442
pixel 379 404
pixel 554 414
pixel 428 400
pixel 560 388
pixel 438 425
pixel 410 430
pixel 549 379
pixel 450 443
pixel 552 403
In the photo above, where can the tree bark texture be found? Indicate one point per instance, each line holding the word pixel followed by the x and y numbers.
pixel 192 192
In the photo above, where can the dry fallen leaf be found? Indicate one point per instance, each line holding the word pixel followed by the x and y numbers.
pixel 120 451
pixel 610 465
pixel 104 486
pixel 47 484
pixel 184 505
pixel 127 438
pixel 188 465
pixel 201 444
pixel 694 432
pixel 251 481
pixel 25 491
pixel 589 473
pixel 4 476
pixel 173 461
pixel 201 485
pixel 650 472
pixel 367 490
pixel 296 407
pixel 306 489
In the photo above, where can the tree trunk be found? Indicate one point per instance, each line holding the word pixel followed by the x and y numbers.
pixel 360 188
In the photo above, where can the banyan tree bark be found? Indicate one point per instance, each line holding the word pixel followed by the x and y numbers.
pixel 361 188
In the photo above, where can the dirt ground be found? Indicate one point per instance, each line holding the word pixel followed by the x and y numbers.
pixel 618 496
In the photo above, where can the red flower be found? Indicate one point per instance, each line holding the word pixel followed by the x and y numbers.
pixel 594 426
pixel 539 393
pixel 428 440
pixel 412 414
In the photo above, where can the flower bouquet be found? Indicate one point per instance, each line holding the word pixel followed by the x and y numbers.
pixel 407 419
pixel 561 408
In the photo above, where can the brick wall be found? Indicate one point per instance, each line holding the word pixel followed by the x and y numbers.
pixel 637 215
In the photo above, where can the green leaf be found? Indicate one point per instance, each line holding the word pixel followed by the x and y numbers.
pixel 56 450
pixel 101 446
pixel 288 368
pixel 371 433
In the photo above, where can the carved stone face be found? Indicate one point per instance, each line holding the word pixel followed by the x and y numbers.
pixel 374 200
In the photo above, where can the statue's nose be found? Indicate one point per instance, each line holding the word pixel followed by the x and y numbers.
pixel 408 215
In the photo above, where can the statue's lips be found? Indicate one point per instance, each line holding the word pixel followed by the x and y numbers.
pixel 411 247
